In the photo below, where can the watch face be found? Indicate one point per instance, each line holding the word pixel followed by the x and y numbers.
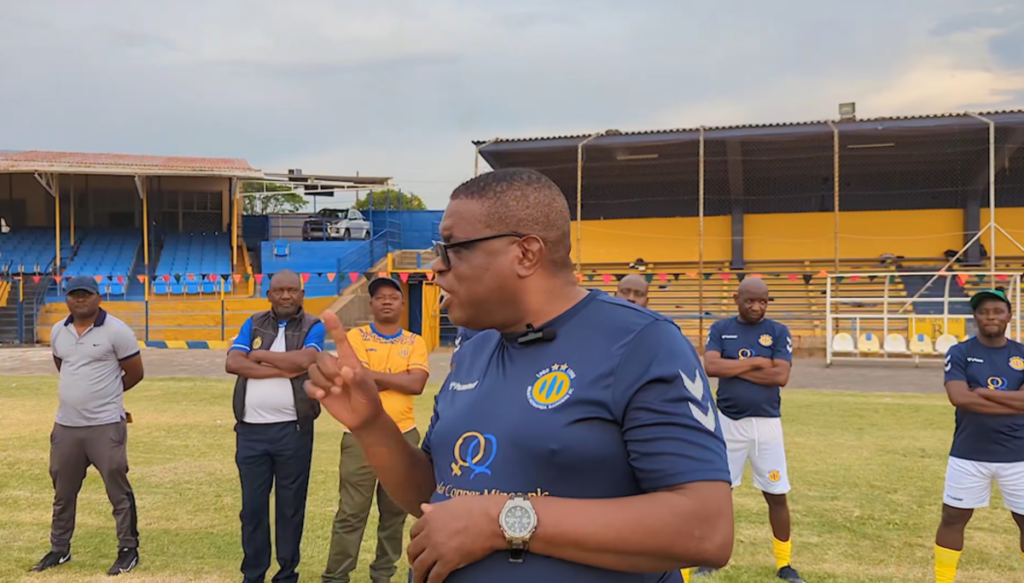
pixel 518 521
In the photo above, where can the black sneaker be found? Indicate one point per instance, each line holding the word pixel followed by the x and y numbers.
pixel 51 559
pixel 127 558
pixel 789 575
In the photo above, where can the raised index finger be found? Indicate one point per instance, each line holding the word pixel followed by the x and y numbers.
pixel 346 356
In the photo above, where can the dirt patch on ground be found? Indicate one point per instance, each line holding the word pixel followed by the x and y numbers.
pixel 808 373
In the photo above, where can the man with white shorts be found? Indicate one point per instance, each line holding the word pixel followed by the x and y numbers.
pixel 752 355
pixel 983 378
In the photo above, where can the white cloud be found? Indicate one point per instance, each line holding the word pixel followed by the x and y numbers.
pixel 401 88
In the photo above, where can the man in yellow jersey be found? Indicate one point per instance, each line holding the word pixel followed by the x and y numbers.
pixel 396 359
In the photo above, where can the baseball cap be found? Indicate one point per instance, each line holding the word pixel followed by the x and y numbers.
pixel 987 294
pixel 376 283
pixel 82 283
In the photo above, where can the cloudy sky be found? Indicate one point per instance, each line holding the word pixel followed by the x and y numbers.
pixel 401 87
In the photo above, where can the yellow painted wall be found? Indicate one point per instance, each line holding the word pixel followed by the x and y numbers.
pixel 1010 219
pixel 791 236
pixel 673 239
pixel 25 187
pixel 112 194
pixel 178 319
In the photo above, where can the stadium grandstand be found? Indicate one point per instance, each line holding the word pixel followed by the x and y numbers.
pixel 871 233
pixel 862 228
pixel 163 237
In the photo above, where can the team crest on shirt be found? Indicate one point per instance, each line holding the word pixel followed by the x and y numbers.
pixel 765 340
pixel 552 386
pixel 257 343
pixel 403 353
pixel 1017 363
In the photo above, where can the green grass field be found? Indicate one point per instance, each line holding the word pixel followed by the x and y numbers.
pixel 867 471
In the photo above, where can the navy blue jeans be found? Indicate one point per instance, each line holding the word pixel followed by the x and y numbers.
pixel 274 454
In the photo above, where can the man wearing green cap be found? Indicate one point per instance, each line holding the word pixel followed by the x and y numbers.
pixel 983 380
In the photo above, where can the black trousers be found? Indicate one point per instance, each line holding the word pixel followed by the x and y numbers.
pixel 278 455
pixel 72 451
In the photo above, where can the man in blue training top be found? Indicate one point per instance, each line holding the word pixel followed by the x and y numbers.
pixel 751 355
pixel 983 380
pixel 274 425
pixel 576 440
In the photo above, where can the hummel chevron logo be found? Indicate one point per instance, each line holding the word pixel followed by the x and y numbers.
pixel 696 388
pixel 789 344
pixel 947 364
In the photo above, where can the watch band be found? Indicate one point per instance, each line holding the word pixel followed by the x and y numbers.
pixel 517 552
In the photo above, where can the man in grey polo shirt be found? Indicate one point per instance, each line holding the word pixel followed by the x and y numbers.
pixel 98 358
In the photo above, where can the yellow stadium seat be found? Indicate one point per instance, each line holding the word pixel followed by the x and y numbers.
pixel 921 345
pixel 868 344
pixel 944 343
pixel 895 344
pixel 843 343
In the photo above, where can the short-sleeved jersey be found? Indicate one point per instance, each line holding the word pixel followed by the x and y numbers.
pixel 617 404
pixel 735 339
pixel 273 400
pixel 980 437
pixel 90 390
pixel 392 354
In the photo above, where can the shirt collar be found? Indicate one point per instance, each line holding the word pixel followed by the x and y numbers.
pixel 101 317
pixel 385 336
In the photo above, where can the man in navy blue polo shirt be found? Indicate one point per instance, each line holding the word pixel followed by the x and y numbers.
pixel 751 355
pixel 983 380
pixel 575 441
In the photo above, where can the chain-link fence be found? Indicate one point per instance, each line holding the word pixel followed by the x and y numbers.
pixel 762 193
pixel 788 202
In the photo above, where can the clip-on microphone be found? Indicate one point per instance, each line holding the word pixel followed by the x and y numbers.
pixel 533 335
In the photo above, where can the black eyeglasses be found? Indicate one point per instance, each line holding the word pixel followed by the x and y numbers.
pixel 441 248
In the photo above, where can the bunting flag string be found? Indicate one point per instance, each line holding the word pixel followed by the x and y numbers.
pixel 404 277
pixel 353 276
pixel 330 277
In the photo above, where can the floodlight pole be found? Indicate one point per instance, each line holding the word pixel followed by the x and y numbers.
pixel 700 240
pixel 991 190
pixel 835 187
pixel 579 200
